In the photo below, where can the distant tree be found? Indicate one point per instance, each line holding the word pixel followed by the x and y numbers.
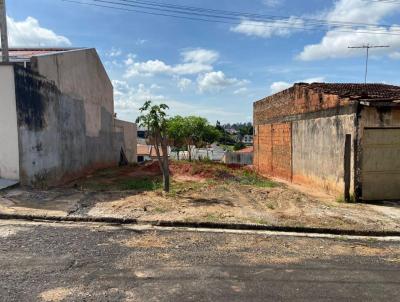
pixel 177 133
pixel 154 118
pixel 210 135
pixel 239 146
pixel 195 127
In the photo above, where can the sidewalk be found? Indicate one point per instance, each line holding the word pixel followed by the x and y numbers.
pixel 68 204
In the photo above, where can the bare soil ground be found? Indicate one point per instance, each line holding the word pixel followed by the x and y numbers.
pixel 200 192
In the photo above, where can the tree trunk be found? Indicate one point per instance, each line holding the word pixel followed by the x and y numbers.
pixel 166 179
pixel 190 152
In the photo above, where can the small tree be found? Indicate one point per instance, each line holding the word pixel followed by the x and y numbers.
pixel 154 118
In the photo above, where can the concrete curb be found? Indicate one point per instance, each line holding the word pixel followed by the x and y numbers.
pixel 114 220
pixel 202 225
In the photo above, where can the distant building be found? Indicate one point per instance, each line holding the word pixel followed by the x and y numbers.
pixel 344 138
pixel 232 131
pixel 247 139
pixel 148 153
pixel 58 117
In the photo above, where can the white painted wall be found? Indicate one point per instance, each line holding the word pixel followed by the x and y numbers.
pixel 9 154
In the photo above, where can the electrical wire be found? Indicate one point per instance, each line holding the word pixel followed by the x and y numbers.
pixel 231 17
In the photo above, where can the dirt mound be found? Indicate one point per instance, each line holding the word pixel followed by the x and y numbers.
pixel 153 167
pixel 201 170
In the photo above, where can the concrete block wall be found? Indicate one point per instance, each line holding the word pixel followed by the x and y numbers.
pixel 300 137
pixel 126 138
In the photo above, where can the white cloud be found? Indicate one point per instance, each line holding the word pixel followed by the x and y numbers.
pixel 273 3
pixel 336 41
pixel 280 28
pixel 216 81
pixel 184 83
pixel 114 52
pixel 281 85
pixel 140 41
pixel 194 62
pixel 395 55
pixel 240 90
pixel 361 11
pixel 335 44
pixel 200 55
pixel 29 33
pixel 128 100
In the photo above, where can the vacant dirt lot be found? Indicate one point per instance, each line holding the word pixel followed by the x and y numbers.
pixel 200 192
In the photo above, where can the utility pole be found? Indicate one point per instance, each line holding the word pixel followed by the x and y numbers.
pixel 3 31
pixel 368 47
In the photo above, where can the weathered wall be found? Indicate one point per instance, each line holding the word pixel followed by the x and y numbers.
pixel 9 159
pixel 80 75
pixel 294 101
pixel 318 151
pixel 54 144
pixel 300 136
pixel 126 138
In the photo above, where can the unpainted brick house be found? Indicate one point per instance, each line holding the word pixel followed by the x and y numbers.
pixel 344 138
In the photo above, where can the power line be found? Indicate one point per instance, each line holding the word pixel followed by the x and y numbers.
pixel 227 17
pixel 253 16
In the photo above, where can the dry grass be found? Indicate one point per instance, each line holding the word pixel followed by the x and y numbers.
pixel 56 294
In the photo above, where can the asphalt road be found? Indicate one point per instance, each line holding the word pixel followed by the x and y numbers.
pixel 78 262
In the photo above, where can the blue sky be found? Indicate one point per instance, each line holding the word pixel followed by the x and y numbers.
pixel 212 69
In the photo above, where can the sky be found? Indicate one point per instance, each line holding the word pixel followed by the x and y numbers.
pixel 217 70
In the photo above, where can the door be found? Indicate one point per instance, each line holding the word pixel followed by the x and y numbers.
pixel 380 168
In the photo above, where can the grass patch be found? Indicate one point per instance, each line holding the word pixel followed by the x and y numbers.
pixel 212 218
pixel 141 184
pixel 253 179
pixel 126 184
pixel 341 199
pixel 178 188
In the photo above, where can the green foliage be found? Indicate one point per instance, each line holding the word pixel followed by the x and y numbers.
pixel 154 117
pixel 253 179
pixel 210 134
pixel 184 132
pixel 144 184
pixel 239 146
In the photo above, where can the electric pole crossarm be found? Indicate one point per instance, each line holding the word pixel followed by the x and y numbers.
pixel 367 47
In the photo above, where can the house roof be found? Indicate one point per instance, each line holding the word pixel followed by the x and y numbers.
pixel 357 91
pixel 25 54
pixel 246 150
pixel 146 150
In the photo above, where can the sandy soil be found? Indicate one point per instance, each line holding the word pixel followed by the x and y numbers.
pixel 200 192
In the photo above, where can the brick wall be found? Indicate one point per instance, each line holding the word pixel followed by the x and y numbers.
pixel 296 100
pixel 273 150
